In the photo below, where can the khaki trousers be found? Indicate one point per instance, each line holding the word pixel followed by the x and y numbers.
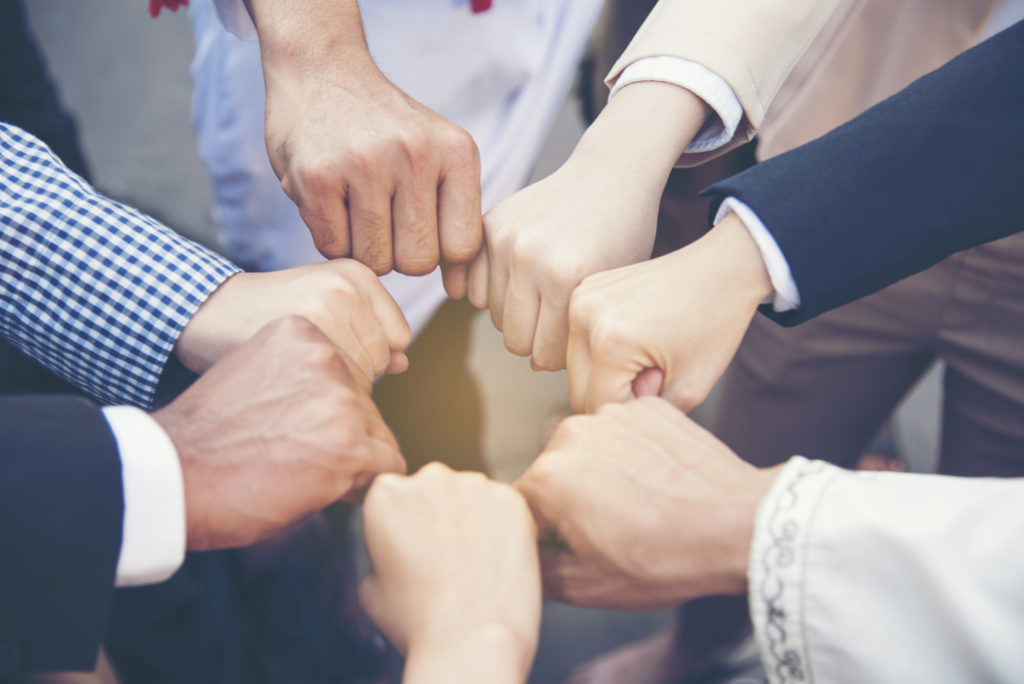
pixel 822 389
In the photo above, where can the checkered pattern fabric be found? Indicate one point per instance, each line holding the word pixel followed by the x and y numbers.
pixel 93 290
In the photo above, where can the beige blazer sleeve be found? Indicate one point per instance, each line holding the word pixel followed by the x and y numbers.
pixel 751 44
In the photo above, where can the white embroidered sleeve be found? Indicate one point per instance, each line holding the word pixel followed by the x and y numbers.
pixel 888 577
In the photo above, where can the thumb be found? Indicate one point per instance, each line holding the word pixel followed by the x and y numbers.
pixel 398 363
pixel 369 596
pixel 648 382
pixel 456 279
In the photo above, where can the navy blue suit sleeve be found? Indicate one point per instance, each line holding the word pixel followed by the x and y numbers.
pixel 935 169
pixel 61 515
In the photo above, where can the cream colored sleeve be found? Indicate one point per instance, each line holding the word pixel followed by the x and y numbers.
pixel 751 44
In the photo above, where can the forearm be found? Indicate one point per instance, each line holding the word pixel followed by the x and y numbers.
pixel 491 653
pixel 323 30
pixel 900 187
pixel 642 131
pixel 94 290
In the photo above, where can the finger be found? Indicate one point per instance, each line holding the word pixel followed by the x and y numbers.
pixel 346 341
pixel 367 330
pixel 389 315
pixel 545 501
pixel 578 363
pixel 399 363
pixel 326 216
pixel 559 573
pixel 370 597
pixel 478 279
pixel 380 431
pixel 460 218
pixel 369 212
pixel 455 279
pixel 376 457
pixel 610 381
pixel 648 382
pixel 519 322
pixel 551 341
pixel 415 232
pixel 497 287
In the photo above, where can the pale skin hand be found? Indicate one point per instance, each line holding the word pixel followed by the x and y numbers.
pixel 280 428
pixel 683 314
pixel 598 211
pixel 642 508
pixel 375 174
pixel 342 297
pixel 455 584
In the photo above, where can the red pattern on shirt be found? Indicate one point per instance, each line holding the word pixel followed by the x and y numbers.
pixel 156 5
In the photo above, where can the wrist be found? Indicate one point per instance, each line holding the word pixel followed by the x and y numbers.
pixel 645 127
pixel 325 34
pixel 735 557
pixel 212 331
pixel 492 652
pixel 739 261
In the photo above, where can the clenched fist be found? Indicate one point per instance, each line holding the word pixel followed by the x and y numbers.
pixel 280 428
pixel 642 508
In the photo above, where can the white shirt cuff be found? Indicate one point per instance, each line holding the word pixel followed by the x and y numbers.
pixel 702 82
pixel 235 18
pixel 153 540
pixel 786 296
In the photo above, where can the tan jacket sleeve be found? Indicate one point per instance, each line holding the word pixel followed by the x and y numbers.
pixel 751 44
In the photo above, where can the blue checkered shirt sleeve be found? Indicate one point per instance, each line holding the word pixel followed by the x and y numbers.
pixel 93 290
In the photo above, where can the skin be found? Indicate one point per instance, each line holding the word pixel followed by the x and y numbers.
pixel 668 326
pixel 641 508
pixel 455 584
pixel 278 429
pixel 375 174
pixel 597 212
pixel 342 298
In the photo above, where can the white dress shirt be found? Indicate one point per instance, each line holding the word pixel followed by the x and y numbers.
pixel 153 536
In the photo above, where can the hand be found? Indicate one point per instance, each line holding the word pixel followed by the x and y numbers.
pixel 280 428
pixel 598 211
pixel 683 314
pixel 343 298
pixel 455 583
pixel 375 174
pixel 645 508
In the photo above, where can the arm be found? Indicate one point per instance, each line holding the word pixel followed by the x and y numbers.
pixel 102 294
pixel 751 45
pixel 648 509
pixel 279 429
pixel 931 171
pixel 374 173
pixel 454 585
pixel 599 210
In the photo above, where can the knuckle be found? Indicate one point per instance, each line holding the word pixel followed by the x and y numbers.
pixel 384 488
pixel 318 176
pixel 420 260
pixel 461 143
pixel 415 148
pixel 295 326
pixel 367 157
pixel 435 470
pixel 583 303
pixel 608 335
